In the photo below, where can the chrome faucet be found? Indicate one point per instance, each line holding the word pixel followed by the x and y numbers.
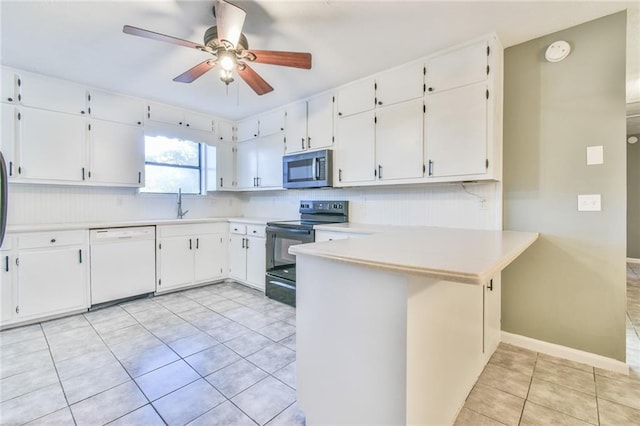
pixel 181 214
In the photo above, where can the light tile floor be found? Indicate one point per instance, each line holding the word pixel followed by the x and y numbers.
pixel 216 355
pixel 521 387
pixel 225 355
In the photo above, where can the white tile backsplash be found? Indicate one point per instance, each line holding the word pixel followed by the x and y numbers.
pixel 447 205
pixel 38 204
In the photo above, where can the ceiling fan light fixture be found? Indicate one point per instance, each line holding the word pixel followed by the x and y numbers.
pixel 227 60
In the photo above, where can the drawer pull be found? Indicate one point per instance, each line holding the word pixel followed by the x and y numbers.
pixel 53 240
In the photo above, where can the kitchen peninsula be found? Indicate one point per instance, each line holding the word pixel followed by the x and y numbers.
pixel 395 327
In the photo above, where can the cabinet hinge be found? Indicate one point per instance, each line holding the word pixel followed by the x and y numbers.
pixel 487 69
pixel 17 309
pixel 333 138
pixel 375 172
pixel 89 97
pixel 159 246
pixel 89 127
pixel 424 168
pixel 19 116
pixel 488 50
pixel 424 108
pixel 333 99
pixel 375 86
pixel 375 119
pixel 159 281
pixel 487 93
pixel 424 88
pixel 19 82
pixel 424 70
pixel 486 163
pixel 17 261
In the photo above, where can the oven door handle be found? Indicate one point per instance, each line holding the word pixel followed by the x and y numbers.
pixel 281 284
pixel 276 230
pixel 315 168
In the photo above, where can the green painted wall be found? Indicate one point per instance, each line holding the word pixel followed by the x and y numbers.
pixel 633 200
pixel 569 288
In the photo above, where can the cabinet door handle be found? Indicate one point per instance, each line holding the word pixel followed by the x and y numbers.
pixel 80 255
pixel 246 244
pixel 243 243
pixel 308 142
pixel 339 175
pixel 221 183
pixel 430 168
pixel 430 89
pixel 302 143
pixel 83 173
pixel 6 263
pixel 490 286
pixel 139 177
pixel 379 171
pixel 197 243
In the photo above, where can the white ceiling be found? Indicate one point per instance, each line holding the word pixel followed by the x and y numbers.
pixel 83 41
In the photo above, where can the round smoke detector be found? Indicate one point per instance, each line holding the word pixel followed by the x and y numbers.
pixel 557 51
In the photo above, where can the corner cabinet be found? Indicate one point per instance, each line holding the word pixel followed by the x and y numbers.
pixel 247 254
pixel 189 255
pixel 48 273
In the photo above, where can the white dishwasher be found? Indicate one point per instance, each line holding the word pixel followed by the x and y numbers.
pixel 123 263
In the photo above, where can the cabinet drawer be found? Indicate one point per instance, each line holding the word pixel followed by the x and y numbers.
pixel 238 228
pixel 52 239
pixel 256 230
pixel 191 229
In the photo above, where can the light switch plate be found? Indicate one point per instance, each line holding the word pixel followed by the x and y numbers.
pixel 595 155
pixel 589 203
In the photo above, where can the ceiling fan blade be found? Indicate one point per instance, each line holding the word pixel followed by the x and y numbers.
pixel 285 59
pixel 128 29
pixel 252 78
pixel 229 20
pixel 195 72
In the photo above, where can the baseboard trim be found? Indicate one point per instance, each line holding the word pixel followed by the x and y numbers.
pixel 571 354
pixel 632 260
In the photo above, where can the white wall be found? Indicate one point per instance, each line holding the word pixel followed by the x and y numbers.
pixel 41 204
pixel 446 205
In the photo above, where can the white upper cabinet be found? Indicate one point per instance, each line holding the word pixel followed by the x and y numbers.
pixel 52 146
pixel 115 107
pixel 197 121
pixel 296 127
pixel 220 167
pixel 167 114
pixel 272 122
pixel 224 131
pixel 460 67
pixel 456 134
pixel 247 129
pixel 39 91
pixel 399 141
pixel 400 84
pixel 116 154
pixel 356 97
pixel 247 165
pixel 320 121
pixel 9 137
pixel 9 87
pixel 271 149
pixel 355 151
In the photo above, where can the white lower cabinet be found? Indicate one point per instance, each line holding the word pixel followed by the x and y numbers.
pixel 492 318
pixel 190 254
pixel 50 277
pixel 8 255
pixel 247 254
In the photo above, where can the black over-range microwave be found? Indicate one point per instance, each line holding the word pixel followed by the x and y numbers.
pixel 307 170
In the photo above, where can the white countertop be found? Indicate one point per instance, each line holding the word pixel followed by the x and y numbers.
pixel 121 224
pixel 462 255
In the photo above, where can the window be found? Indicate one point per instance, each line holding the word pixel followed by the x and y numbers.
pixel 172 164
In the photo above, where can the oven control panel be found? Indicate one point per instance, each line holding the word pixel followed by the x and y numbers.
pixel 324 207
